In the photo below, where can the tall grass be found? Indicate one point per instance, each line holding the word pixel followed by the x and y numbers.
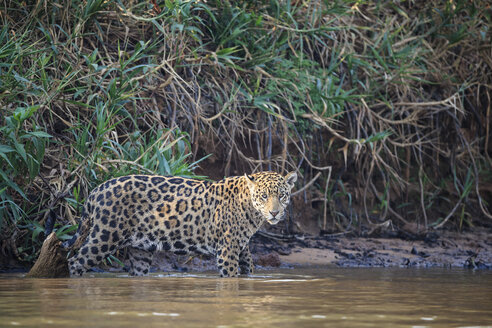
pixel 391 97
pixel 71 116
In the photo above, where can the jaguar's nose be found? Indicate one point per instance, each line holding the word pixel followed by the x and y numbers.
pixel 274 213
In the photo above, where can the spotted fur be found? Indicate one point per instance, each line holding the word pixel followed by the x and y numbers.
pixel 185 216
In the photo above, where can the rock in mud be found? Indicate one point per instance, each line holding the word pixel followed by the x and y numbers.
pixel 269 260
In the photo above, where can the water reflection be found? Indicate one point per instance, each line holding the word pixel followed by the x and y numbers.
pixel 334 297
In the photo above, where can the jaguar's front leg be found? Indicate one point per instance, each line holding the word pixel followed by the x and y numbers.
pixel 228 260
pixel 246 261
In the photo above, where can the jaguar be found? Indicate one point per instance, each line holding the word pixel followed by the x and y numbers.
pixel 146 213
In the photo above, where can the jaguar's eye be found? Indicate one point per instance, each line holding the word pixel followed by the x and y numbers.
pixel 264 196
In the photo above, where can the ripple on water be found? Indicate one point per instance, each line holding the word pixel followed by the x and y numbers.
pixel 159 314
pixel 387 298
pixel 288 280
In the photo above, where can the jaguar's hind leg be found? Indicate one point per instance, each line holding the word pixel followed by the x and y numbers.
pixel 140 261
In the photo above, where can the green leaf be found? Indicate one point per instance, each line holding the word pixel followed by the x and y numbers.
pixel 63 233
pixel 12 185
pixel 23 113
pixel 163 164
pixel 21 150
pixel 39 134
pixel 6 149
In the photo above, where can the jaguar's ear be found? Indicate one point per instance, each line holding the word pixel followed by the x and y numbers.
pixel 291 178
pixel 250 181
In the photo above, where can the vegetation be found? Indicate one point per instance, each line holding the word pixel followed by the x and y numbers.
pixel 383 107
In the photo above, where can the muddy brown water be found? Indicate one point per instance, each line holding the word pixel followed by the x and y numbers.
pixel 323 297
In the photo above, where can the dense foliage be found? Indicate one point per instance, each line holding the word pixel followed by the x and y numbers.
pixel 383 107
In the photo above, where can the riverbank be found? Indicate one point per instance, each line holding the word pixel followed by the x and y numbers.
pixel 446 249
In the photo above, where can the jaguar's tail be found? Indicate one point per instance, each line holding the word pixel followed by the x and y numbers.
pixel 49 224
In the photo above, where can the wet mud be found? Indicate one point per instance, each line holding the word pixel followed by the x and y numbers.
pixel 444 249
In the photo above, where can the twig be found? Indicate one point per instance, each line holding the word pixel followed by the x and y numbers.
pixel 307 185
pixel 325 203
pixel 275 235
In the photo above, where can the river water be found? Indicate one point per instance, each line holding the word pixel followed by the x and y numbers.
pixel 324 297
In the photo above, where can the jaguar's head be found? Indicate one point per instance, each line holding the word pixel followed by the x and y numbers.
pixel 270 193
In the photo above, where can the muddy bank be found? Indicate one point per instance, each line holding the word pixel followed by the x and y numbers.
pixel 448 249
pixel 435 249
